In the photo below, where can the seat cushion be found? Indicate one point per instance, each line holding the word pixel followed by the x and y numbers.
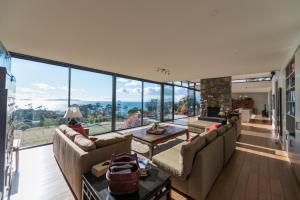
pixel 84 143
pixel 169 161
pixel 178 160
pixel 110 138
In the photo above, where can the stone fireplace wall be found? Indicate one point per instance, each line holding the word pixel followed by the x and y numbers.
pixel 215 92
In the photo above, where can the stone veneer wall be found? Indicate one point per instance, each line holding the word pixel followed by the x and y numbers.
pixel 215 92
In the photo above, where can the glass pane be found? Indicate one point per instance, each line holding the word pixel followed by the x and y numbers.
pixel 191 102
pixel 197 102
pixel 168 102
pixel 41 100
pixel 180 104
pixel 185 84
pixel 177 83
pixel 151 103
pixel 129 103
pixel 92 93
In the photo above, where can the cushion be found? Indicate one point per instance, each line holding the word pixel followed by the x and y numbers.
pixel 169 161
pixel 78 128
pixel 192 139
pixel 70 133
pixel 110 138
pixel 231 121
pixel 235 118
pixel 84 143
pixel 188 152
pixel 210 136
pixel 228 126
pixel 214 127
pixel 221 130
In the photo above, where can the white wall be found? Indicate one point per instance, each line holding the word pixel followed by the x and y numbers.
pixel 259 98
pixel 280 77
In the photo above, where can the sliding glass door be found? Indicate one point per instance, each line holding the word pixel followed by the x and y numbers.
pixel 92 93
pixel 128 103
pixel 151 103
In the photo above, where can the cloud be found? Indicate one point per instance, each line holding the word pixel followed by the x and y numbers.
pixel 64 88
pixel 133 83
pixel 152 90
pixel 129 90
pixel 122 80
pixel 43 86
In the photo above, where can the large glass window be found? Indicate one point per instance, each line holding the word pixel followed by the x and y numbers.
pixel 168 102
pixel 180 103
pixel 41 100
pixel 191 102
pixel 92 93
pixel 151 110
pixel 129 103
pixel 197 102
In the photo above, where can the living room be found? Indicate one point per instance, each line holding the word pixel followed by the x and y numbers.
pixel 200 95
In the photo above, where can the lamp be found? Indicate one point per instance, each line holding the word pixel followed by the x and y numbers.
pixel 72 113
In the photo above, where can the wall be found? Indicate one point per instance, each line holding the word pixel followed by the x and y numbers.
pixel 259 98
pixel 215 92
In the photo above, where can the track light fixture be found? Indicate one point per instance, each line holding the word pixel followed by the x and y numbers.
pixel 163 71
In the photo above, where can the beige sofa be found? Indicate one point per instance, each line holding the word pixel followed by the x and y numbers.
pixel 74 161
pixel 194 171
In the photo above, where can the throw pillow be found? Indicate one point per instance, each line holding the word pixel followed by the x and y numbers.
pixel 84 143
pixel 192 139
pixel 214 127
pixel 78 128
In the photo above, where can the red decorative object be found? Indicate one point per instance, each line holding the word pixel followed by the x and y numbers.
pixel 214 127
pixel 123 174
pixel 192 139
pixel 78 128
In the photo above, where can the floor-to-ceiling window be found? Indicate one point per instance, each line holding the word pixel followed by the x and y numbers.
pixel 180 102
pixel 151 103
pixel 128 103
pixel 41 100
pixel 168 102
pixel 197 102
pixel 191 102
pixel 92 93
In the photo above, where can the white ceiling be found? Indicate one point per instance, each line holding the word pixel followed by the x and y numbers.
pixel 193 39
pixel 251 87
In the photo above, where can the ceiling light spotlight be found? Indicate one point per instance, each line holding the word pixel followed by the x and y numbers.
pixel 163 70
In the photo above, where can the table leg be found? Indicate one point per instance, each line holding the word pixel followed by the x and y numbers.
pixel 169 191
pixel 187 135
pixel 151 148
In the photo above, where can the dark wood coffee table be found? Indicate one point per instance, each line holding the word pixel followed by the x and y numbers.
pixel 152 140
pixel 156 185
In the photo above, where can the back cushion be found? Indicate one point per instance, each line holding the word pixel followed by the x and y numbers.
pixel 210 136
pixel 188 152
pixel 228 126
pixel 221 130
pixel 84 143
pixel 70 133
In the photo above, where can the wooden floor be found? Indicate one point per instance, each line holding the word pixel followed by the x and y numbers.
pixel 258 170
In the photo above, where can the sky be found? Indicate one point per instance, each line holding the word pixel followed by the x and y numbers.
pixel 38 82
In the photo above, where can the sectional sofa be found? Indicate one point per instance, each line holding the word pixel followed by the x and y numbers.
pixel 76 154
pixel 195 165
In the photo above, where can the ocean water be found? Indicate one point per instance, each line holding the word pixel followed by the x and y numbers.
pixel 62 105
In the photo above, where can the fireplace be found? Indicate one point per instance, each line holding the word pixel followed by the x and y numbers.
pixel 213 111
